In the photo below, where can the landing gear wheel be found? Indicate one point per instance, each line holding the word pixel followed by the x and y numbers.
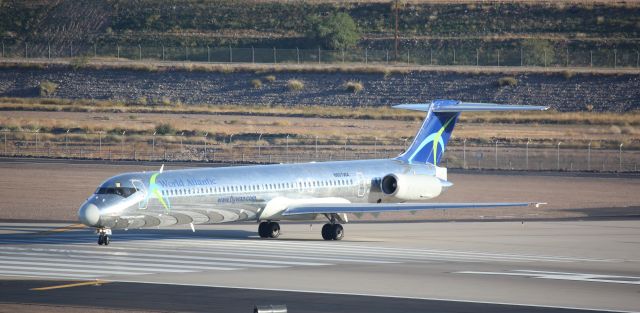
pixel 106 240
pixel 326 232
pixel 269 230
pixel 274 230
pixel 337 232
pixel 101 239
pixel 262 230
pixel 332 232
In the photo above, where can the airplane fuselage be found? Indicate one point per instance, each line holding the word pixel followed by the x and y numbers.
pixel 241 193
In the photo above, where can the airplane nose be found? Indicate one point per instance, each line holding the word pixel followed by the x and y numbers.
pixel 89 214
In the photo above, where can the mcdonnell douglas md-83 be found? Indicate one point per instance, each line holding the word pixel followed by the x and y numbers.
pixel 290 192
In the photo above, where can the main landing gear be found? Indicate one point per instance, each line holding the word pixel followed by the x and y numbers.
pixel 104 236
pixel 332 231
pixel 269 230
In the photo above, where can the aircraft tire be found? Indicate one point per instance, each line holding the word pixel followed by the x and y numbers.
pixel 263 230
pixel 106 240
pixel 274 230
pixel 101 239
pixel 326 232
pixel 337 232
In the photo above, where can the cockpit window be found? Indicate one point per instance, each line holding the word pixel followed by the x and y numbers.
pixel 120 191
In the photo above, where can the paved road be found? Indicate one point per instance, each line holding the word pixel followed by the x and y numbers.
pixel 591 265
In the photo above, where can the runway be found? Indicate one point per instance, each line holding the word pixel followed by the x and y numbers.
pixel 380 267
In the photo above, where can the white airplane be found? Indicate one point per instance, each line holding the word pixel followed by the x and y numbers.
pixel 293 192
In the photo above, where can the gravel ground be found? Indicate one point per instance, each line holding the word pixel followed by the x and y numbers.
pixel 616 93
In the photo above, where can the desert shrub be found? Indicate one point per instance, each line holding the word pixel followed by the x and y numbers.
pixel 507 81
pixel 256 83
pixel 295 84
pixel 164 129
pixel 270 78
pixel 47 88
pixel 568 74
pixel 165 101
pixel 353 86
pixel 79 62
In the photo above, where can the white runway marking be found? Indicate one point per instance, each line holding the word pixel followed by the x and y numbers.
pixel 586 277
pixel 76 255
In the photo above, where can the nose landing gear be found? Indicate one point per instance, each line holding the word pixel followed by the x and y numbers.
pixel 104 236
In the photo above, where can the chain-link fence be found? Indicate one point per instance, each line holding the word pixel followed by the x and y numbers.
pixel 290 149
pixel 482 55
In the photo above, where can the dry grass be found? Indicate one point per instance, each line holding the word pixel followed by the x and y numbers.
pixel 353 86
pixel 507 81
pixel 382 69
pixel 256 83
pixel 47 88
pixel 295 84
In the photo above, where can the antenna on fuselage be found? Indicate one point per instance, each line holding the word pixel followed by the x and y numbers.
pixel 161 168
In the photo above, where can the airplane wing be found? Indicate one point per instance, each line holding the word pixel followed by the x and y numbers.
pixel 332 208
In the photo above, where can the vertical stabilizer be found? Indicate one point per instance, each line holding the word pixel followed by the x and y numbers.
pixel 431 141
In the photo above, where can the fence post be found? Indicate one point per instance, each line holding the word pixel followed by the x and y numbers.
pixel 230 55
pixel 66 141
pixel 26 50
pixel 590 58
pixel 71 49
pixel 209 54
pixel 319 55
pixel 387 56
pixel 345 148
pixel 619 158
pixel 162 52
pixel 589 157
pixel 275 59
pixel 408 57
pixel 316 147
pixel 567 58
pixel 464 153
pixel 454 56
pixel 122 152
pixel 527 154
pixel 545 58
pixel 139 52
pixel 558 162
pixel 3 49
pixel 430 56
pixel 496 154
pixel 5 142
pixel 498 58
pixel 118 53
pixel 615 58
pixel 366 56
pixel 298 55
pixel 253 54
pixel 521 57
pixel 477 57
pixel 287 151
pixel 186 53
pixel 95 51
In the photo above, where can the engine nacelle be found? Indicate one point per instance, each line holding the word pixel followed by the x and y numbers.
pixel 405 187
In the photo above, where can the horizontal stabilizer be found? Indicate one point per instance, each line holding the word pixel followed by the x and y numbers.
pixel 459 106
pixel 393 207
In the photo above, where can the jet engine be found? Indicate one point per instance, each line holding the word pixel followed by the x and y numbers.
pixel 403 187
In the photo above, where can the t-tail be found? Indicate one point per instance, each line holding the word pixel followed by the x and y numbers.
pixel 429 144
